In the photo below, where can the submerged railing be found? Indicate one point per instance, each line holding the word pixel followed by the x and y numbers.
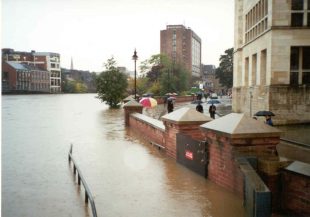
pixel 88 195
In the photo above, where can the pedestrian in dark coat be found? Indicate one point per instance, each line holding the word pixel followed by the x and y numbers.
pixel 212 110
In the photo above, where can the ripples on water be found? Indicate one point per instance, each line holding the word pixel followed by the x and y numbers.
pixel 126 175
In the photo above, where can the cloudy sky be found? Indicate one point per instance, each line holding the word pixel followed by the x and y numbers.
pixel 91 31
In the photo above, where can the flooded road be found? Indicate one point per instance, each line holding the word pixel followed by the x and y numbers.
pixel 126 175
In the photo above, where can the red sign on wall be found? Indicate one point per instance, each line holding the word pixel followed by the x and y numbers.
pixel 189 155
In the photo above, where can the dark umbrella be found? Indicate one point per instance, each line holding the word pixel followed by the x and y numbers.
pixel 264 113
pixel 213 101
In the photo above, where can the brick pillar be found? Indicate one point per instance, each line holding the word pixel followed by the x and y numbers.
pixel 232 136
pixel 131 107
pixel 186 121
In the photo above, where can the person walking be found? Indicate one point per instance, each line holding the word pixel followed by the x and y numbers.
pixel 199 107
pixel 212 110
pixel 169 105
pixel 268 120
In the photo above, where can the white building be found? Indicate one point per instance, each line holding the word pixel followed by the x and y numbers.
pixel 272 59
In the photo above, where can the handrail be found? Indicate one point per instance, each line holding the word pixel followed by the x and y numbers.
pixel 88 195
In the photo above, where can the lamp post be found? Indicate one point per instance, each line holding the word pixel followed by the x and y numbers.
pixel 251 97
pixel 135 57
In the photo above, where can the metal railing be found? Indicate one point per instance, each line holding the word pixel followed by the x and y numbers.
pixel 88 195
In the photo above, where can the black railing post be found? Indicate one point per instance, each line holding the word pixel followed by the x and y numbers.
pixel 88 195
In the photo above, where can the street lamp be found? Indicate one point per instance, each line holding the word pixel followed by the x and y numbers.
pixel 135 57
pixel 251 97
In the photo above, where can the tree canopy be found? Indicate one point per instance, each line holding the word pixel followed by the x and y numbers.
pixel 225 70
pixel 163 75
pixel 111 84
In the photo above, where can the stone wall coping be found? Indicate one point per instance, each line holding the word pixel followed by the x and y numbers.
pixel 186 115
pixel 151 121
pixel 129 98
pixel 299 168
pixel 236 125
pixel 132 103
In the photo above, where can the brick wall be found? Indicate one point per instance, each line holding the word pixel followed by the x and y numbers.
pixel 223 169
pixel 172 129
pixel 150 132
pixel 296 194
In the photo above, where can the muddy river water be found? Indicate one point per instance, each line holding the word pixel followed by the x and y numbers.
pixel 126 175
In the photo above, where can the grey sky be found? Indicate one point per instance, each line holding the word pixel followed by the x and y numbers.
pixel 91 31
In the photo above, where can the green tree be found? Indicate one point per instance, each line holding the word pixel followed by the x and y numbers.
pixel 164 75
pixel 225 70
pixel 111 84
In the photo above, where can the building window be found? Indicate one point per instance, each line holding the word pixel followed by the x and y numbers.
pixel 297 19
pixel 300 65
pixel 300 12
pixel 297 4
pixel 256 20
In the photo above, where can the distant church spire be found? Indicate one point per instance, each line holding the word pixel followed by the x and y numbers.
pixel 71 64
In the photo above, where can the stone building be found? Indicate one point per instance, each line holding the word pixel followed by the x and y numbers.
pixel 272 59
pixel 211 83
pixel 183 46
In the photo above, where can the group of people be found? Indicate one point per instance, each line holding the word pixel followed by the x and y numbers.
pixel 212 109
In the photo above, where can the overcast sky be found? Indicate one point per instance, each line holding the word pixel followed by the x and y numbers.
pixel 91 31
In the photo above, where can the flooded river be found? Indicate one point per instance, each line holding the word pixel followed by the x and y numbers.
pixel 126 175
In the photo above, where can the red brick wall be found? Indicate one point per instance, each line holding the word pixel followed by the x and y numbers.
pixel 148 131
pixel 11 73
pixel 222 169
pixel 296 194
pixel 172 129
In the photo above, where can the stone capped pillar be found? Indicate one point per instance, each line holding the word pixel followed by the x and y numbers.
pixel 131 107
pixel 185 121
pixel 232 136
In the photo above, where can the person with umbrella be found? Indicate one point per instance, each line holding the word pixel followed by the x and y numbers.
pixel 212 110
pixel 267 115
pixel 268 120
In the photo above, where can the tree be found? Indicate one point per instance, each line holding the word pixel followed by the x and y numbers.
pixel 111 84
pixel 164 75
pixel 225 70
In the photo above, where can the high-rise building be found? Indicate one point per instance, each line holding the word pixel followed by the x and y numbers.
pixel 41 60
pixel 183 46
pixel 272 59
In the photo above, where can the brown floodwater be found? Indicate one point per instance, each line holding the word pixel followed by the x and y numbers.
pixel 126 175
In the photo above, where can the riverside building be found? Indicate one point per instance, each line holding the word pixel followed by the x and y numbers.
pixel 36 61
pixel 183 46
pixel 272 59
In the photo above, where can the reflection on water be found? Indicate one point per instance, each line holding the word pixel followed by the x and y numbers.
pixel 126 175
